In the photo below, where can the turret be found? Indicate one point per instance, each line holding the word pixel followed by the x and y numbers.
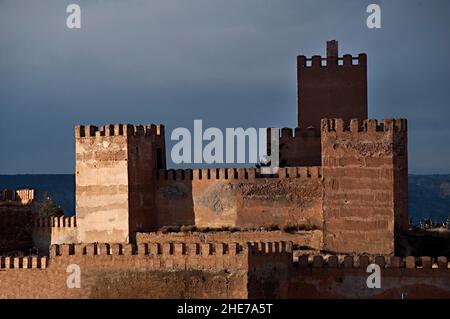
pixel 116 167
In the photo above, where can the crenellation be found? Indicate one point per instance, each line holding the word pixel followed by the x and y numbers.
pixel 24 197
pixel 90 249
pixel 116 249
pixel 22 262
pixel 363 261
pixel 129 249
pixel 380 261
pixel 286 133
pixel 368 126
pixel 426 262
pixel 332 261
pixel 317 261
pixel 217 174
pixel 348 262
pixel 109 130
pixel 317 61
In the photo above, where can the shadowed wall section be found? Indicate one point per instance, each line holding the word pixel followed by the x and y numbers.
pixel 240 197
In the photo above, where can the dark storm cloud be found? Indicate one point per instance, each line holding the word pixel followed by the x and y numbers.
pixel 230 63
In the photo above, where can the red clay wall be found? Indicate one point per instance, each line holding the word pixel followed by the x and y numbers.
pixel 331 90
pixel 358 169
pixel 300 147
pixel 120 271
pixel 15 228
pixel 345 277
pixel 54 230
pixel 307 239
pixel 239 197
pixel 17 209
pixel 178 270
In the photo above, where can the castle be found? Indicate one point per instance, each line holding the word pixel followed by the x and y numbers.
pixel 340 194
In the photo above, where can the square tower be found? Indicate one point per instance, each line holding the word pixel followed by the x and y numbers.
pixel 365 169
pixel 115 179
pixel 331 87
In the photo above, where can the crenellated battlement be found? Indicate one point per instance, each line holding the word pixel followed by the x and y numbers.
pixel 237 173
pixel 287 133
pixel 22 196
pixel 170 249
pixel 24 262
pixel 393 262
pixel 82 131
pixel 270 247
pixel 56 221
pixel 317 61
pixel 368 126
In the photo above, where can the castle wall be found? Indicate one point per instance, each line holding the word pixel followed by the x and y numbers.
pixel 269 273
pixel 216 270
pixel 54 230
pixel 307 239
pixel 240 197
pixel 124 271
pixel 300 147
pixel 358 168
pixel 15 228
pixel 346 277
pixel 331 87
pixel 16 214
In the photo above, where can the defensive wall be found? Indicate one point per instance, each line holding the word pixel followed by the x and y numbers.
pixel 306 240
pixel 54 230
pixel 239 197
pixel 357 197
pixel 216 270
pixel 16 219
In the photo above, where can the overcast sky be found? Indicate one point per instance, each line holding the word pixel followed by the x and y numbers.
pixel 230 63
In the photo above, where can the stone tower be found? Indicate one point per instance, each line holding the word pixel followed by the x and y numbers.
pixel 365 169
pixel 116 167
pixel 331 87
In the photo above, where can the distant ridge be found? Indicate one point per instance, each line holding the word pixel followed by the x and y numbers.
pixel 60 187
pixel 429 195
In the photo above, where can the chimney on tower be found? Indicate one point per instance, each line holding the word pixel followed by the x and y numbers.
pixel 332 48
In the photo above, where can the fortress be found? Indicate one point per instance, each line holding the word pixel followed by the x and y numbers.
pixel 142 230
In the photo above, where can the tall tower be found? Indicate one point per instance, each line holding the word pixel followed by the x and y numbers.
pixel 116 169
pixel 365 169
pixel 331 87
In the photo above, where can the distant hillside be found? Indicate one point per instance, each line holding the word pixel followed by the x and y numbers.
pixel 429 195
pixel 61 188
